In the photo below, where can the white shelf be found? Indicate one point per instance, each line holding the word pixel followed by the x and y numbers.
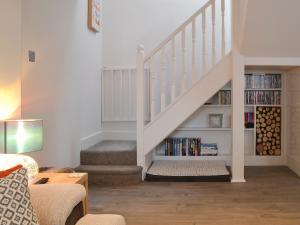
pixel 263 89
pixel 202 129
pixel 218 157
pixel 249 129
pixel 246 105
pixel 208 129
pixel 216 106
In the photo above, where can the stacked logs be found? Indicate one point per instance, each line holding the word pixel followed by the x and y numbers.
pixel 268 131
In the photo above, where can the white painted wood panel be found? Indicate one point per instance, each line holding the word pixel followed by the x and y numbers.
pixel 293 120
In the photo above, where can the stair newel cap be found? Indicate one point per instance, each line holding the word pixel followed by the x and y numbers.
pixel 140 48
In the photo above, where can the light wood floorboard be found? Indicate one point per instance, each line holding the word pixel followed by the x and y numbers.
pixel 271 196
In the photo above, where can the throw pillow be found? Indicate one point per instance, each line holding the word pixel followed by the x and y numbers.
pixel 5 173
pixel 15 205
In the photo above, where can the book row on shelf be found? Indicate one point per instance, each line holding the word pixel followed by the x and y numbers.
pixel 262 97
pixel 262 81
pixel 189 147
pixel 224 97
pixel 249 119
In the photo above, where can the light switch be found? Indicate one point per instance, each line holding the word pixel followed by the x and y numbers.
pixel 31 56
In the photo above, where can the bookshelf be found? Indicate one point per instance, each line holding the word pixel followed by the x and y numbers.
pixel 263 99
pixel 265 91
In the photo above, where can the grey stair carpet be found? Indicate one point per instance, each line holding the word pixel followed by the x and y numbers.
pixel 188 170
pixel 112 175
pixel 110 153
pixel 111 163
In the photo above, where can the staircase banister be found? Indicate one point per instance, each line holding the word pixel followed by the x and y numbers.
pixel 178 30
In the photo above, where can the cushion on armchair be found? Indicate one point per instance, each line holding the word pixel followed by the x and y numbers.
pixel 102 219
pixel 53 203
pixel 15 204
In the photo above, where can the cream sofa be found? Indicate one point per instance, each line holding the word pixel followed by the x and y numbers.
pixel 61 204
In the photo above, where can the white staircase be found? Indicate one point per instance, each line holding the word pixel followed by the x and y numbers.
pixel 186 69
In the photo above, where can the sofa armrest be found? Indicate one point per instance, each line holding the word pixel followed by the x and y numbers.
pixel 53 203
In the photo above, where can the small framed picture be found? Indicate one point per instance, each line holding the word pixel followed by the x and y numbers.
pixel 215 120
pixel 94 11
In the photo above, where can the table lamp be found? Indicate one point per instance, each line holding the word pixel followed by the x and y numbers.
pixel 22 136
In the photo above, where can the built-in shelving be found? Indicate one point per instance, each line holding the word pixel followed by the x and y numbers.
pixel 197 126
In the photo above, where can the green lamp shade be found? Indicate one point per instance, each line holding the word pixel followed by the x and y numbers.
pixel 22 136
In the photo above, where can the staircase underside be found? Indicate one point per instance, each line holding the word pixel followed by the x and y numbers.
pixel 187 104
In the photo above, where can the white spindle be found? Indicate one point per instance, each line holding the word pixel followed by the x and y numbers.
pixel 183 61
pixel 112 80
pixel 223 26
pixel 173 88
pixel 140 106
pixel 163 82
pixel 130 74
pixel 213 18
pixel 153 82
pixel 121 97
pixel 193 51
pixel 203 68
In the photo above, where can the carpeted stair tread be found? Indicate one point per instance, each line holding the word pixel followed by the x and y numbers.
pixel 111 163
pixel 109 146
pixel 112 175
pixel 108 169
pixel 110 153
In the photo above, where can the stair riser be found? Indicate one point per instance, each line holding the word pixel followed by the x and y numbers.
pixel 108 158
pixel 114 179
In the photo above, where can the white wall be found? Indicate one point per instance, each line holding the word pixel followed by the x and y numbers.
pixel 130 23
pixel 63 86
pixel 126 24
pixel 10 58
pixel 293 120
pixel 10 62
pixel 272 29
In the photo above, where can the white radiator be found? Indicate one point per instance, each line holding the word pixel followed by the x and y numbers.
pixel 119 94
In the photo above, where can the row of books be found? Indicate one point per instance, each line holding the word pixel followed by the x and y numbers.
pixel 249 119
pixel 224 97
pixel 262 97
pixel 189 147
pixel 260 81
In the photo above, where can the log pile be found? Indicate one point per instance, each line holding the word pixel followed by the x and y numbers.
pixel 268 131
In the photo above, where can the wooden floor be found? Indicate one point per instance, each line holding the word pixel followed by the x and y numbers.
pixel 271 196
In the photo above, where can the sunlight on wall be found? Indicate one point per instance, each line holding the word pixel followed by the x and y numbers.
pixel 10 100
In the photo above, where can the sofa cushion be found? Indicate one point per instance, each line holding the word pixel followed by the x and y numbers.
pixel 55 202
pixel 5 173
pixel 103 219
pixel 15 205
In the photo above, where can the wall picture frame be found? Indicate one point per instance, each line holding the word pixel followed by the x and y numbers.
pixel 94 15
pixel 215 120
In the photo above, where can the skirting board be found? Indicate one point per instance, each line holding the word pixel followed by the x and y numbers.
pixel 238 181
pixel 121 135
pixel 91 140
pixel 102 135
pixel 293 165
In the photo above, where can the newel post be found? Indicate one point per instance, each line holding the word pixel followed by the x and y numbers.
pixel 140 106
